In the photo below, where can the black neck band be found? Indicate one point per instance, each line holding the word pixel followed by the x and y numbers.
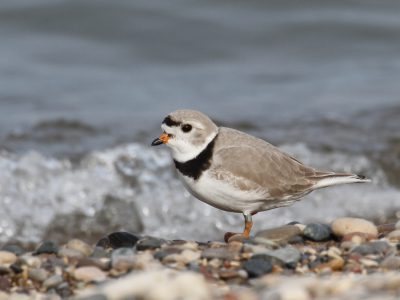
pixel 194 168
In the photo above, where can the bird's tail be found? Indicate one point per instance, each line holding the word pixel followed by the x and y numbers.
pixel 327 179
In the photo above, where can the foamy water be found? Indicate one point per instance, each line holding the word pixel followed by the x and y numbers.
pixel 35 190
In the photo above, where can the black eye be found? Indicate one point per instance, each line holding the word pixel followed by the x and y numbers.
pixel 186 127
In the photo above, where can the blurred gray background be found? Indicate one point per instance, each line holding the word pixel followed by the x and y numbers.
pixel 81 80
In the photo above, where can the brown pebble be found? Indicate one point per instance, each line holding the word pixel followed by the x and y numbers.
pixel 384 228
pixel 280 234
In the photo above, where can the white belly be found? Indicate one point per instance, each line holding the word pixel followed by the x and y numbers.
pixel 223 195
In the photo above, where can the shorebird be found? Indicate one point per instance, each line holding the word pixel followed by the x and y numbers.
pixel 237 172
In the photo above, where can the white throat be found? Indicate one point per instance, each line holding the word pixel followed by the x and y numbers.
pixel 184 151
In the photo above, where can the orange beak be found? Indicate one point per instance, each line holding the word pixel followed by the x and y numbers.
pixel 163 139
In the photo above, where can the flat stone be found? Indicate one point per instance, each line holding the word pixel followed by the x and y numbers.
pixel 122 259
pixel 47 247
pixel 17 250
pixel 80 246
pixel 280 234
pixel 257 267
pixel 317 232
pixel 343 226
pixel 384 228
pixel 38 275
pixel 52 281
pixel 378 247
pixel 220 253
pixel 122 240
pixel 149 243
pixel 286 257
pixel 7 258
pixel 89 274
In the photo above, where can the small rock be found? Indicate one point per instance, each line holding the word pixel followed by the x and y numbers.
pixel 335 264
pixel 122 240
pixel 149 243
pixel 384 228
pixel 17 250
pixel 357 238
pixel 99 252
pixel 30 261
pixel 343 226
pixel 391 262
pixel 317 232
pixel 47 247
pixel 257 267
pixel 377 247
pixel 80 246
pixel 7 258
pixel 38 275
pixel 64 291
pixel 70 253
pixel 89 274
pixel 52 282
pixel 394 236
pixel 287 256
pixel 165 252
pixel 280 234
pixel 122 259
pixel 185 257
pixel 220 253
pixel 103 243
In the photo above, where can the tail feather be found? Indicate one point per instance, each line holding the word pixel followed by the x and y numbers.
pixel 329 179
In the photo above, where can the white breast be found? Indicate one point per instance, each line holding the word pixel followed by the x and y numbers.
pixel 223 195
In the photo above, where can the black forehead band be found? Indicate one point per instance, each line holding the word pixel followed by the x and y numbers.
pixel 169 122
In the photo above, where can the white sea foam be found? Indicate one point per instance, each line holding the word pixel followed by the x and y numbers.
pixel 35 189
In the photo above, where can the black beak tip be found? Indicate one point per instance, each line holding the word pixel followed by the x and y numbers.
pixel 156 142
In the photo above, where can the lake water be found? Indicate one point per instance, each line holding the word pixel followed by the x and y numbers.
pixel 84 86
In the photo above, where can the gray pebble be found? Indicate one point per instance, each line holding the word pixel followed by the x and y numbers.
pixel 377 247
pixel 149 243
pixel 39 275
pixel 47 247
pixel 257 267
pixel 317 232
pixel 17 250
pixel 122 259
pixel 52 282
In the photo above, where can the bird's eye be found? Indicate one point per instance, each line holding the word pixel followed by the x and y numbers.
pixel 186 127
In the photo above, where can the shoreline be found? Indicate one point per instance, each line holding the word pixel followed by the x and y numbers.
pixel 348 259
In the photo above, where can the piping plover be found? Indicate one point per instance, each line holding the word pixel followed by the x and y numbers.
pixel 237 172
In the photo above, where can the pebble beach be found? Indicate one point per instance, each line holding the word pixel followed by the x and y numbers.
pixel 350 258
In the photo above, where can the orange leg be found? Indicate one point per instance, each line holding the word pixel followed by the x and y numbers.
pixel 248 224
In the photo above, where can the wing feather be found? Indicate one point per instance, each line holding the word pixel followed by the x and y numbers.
pixel 255 165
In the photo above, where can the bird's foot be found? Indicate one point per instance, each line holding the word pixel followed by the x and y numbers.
pixel 238 237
